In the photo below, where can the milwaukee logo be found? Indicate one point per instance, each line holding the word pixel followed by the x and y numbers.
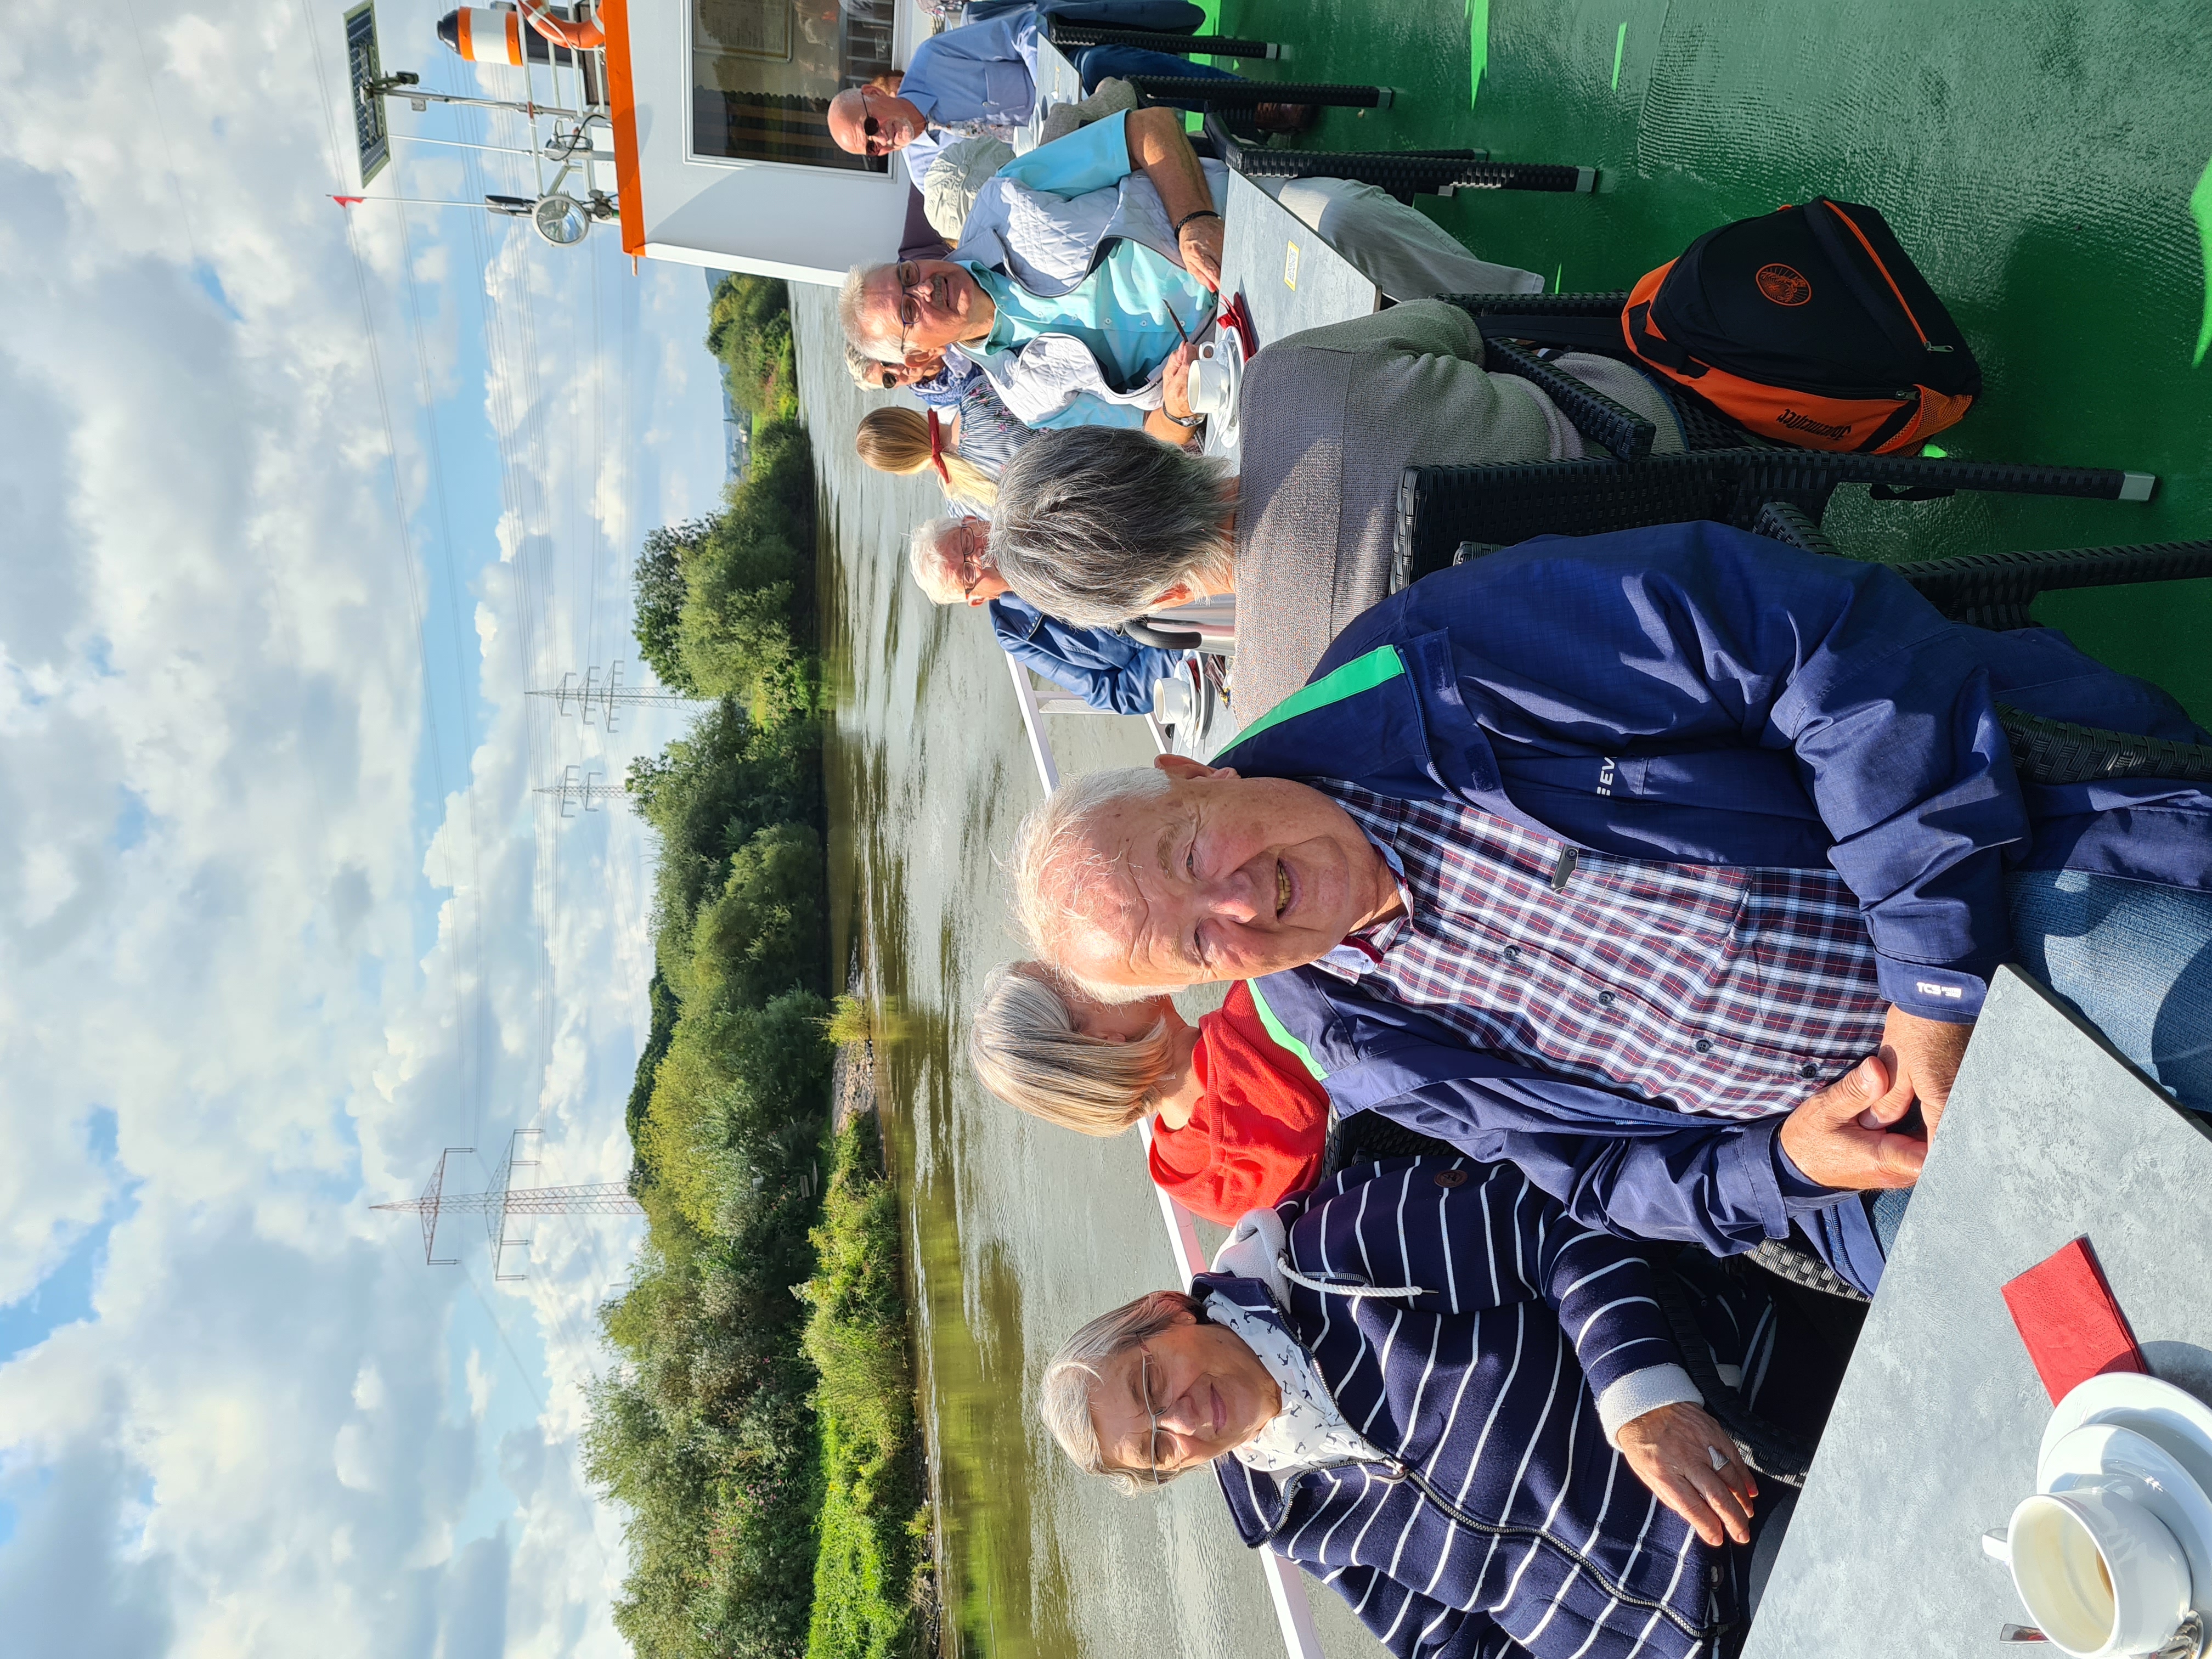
pixel 1791 417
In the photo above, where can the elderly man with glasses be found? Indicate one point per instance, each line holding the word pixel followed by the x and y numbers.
pixel 1463 1411
pixel 1087 265
pixel 983 78
pixel 950 559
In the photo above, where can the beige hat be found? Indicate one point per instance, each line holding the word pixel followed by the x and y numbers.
pixel 959 171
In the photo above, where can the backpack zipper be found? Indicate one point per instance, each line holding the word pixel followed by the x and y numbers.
pixel 1851 225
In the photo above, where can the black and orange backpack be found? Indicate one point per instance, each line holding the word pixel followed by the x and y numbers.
pixel 1811 326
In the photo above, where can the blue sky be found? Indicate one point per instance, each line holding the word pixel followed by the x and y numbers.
pixel 280 914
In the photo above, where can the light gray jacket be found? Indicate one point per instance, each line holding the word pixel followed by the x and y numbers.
pixel 1331 417
pixel 1048 243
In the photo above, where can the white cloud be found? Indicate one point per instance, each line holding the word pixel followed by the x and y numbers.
pixel 276 902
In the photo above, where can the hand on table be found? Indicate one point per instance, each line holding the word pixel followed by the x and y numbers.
pixel 1671 1450
pixel 1923 1055
pixel 1200 245
pixel 1840 1137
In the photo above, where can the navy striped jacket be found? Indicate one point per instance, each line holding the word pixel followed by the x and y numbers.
pixel 1508 1522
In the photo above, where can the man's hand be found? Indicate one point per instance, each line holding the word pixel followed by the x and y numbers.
pixel 1200 244
pixel 1923 1056
pixel 1840 1137
pixel 1671 1449
pixel 1160 149
pixel 1174 399
pixel 1175 382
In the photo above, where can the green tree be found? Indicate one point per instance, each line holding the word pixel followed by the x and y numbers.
pixel 658 578
pixel 765 933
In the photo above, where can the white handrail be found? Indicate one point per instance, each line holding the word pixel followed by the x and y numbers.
pixel 1286 1586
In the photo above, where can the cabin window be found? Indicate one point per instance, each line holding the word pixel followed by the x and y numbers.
pixel 763 71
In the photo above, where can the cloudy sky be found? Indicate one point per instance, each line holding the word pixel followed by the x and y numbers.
pixel 293 518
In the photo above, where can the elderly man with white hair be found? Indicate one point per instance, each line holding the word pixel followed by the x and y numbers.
pixel 1085 264
pixel 1671 865
pixel 1465 1414
pixel 951 564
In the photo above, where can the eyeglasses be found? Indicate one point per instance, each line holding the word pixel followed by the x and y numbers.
pixel 873 129
pixel 1151 1411
pixel 908 276
pixel 975 563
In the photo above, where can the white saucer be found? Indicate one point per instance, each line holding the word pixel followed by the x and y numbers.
pixel 2179 1424
pixel 1229 347
pixel 2160 1483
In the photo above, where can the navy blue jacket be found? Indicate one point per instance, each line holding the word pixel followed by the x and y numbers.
pixel 1106 669
pixel 1506 1524
pixel 1695 694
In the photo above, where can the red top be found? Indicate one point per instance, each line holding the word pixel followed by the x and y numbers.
pixel 1254 1136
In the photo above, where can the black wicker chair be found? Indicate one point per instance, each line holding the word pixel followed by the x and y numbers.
pixel 1069 37
pixel 1404 173
pixel 1364 1136
pixel 1728 475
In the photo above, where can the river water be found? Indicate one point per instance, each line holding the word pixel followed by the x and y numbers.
pixel 1017 1232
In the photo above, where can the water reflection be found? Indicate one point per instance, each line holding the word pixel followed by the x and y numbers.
pixel 1016 1232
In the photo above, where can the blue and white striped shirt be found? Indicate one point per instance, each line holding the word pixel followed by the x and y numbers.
pixel 1506 1524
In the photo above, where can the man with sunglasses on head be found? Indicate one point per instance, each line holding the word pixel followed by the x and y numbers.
pixel 982 79
pixel 1087 266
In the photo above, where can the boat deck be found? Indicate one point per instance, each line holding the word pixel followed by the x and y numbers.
pixel 2045 163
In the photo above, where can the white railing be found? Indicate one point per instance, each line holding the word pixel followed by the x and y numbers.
pixel 1286 1586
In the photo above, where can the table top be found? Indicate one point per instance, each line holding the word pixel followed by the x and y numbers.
pixel 2048 1136
pixel 1290 279
pixel 1057 83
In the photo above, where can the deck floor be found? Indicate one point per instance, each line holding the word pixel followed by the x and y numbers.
pixel 2038 157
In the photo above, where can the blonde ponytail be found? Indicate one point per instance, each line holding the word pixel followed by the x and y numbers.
pixel 898 441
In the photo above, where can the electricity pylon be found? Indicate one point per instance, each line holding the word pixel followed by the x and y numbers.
pixel 608 696
pixel 504 1199
pixel 577 786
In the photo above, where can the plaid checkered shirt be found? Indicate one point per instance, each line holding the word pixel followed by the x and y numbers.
pixel 1705 988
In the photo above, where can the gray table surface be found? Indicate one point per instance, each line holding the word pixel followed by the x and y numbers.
pixel 1057 83
pixel 1290 279
pixel 2048 1136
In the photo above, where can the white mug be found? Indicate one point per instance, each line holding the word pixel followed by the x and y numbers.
pixel 2099 1574
pixel 1213 387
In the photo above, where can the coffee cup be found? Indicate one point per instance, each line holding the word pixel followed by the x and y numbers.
pixel 1213 387
pixel 2099 1573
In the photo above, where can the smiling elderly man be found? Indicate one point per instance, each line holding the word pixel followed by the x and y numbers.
pixel 1460 1411
pixel 1603 856
pixel 1085 264
pixel 981 78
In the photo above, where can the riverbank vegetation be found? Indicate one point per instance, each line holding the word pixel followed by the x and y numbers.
pixel 758 1425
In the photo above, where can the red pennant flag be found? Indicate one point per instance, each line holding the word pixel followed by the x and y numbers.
pixel 348 200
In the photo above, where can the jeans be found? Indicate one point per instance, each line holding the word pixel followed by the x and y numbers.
pixel 2134 958
pixel 1096 63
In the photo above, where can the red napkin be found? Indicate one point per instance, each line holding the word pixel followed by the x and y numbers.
pixel 2064 1312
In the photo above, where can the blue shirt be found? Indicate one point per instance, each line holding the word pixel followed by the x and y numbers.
pixel 1106 669
pixel 1695 695
pixel 1120 311
pixel 984 72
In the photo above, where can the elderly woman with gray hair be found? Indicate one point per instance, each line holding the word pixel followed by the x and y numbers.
pixel 1098 528
pixel 1461 1410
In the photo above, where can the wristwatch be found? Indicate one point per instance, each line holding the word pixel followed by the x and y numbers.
pixel 1194 420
